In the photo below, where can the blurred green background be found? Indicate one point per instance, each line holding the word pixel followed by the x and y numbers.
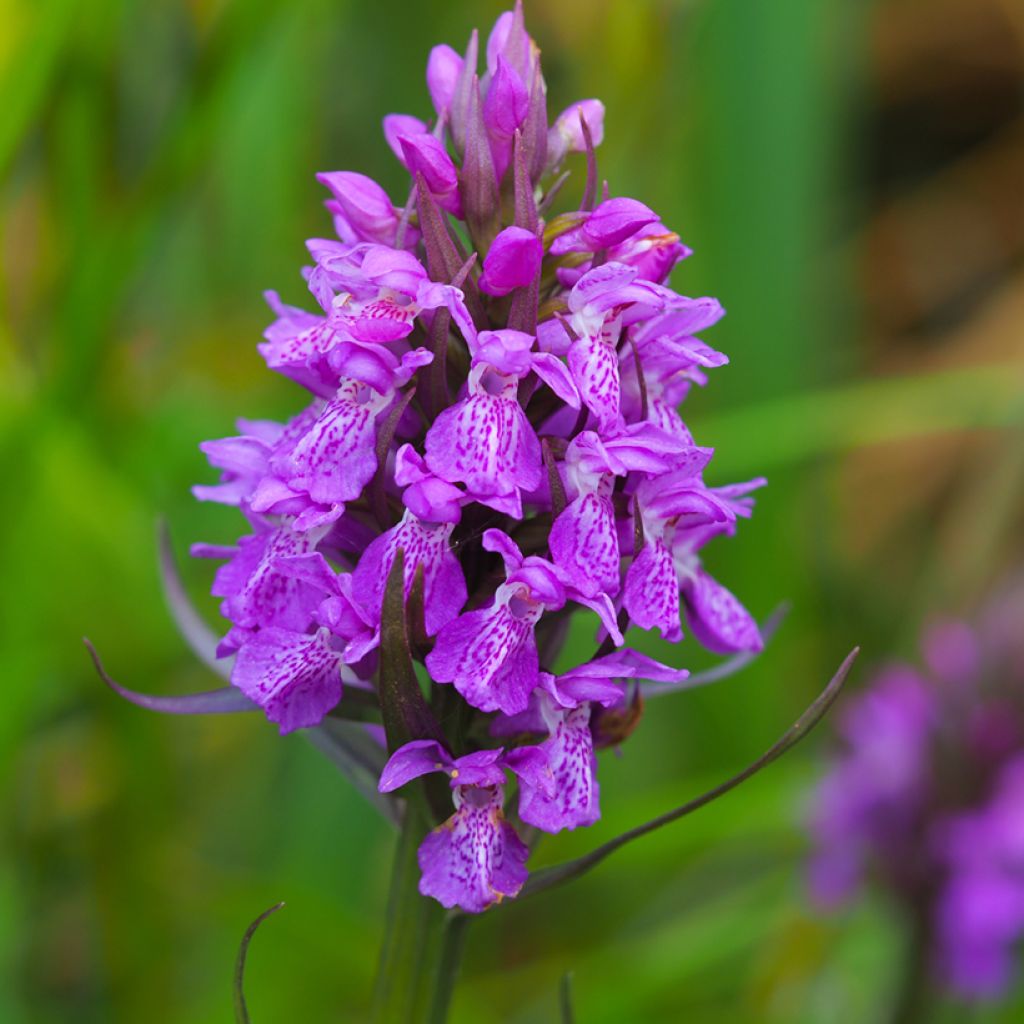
pixel 849 175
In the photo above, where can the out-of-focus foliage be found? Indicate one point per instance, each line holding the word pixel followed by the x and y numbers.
pixel 849 176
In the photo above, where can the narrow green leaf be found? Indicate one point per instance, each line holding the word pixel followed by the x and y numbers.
pixel 241 1010
pixel 403 706
pixel 561 873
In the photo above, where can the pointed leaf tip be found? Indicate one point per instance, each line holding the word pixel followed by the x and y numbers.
pixel 560 873
pixel 241 1010
pixel 210 702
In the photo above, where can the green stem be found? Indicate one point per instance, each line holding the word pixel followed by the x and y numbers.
pixel 913 995
pixel 420 955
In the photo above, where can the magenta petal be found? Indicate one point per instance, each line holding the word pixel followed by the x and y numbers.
pixel 411 761
pixel 256 593
pixel 584 543
pixel 335 459
pixel 294 677
pixel 486 443
pixel 615 220
pixel 553 372
pixel 444 66
pixel 397 125
pixel 566 134
pixel 490 656
pixel 365 205
pixel 423 544
pixel 572 800
pixel 595 368
pixel 424 154
pixel 652 591
pixel 717 619
pixel 513 261
pixel 475 858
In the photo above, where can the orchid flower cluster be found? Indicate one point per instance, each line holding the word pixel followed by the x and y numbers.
pixel 490 444
pixel 927 799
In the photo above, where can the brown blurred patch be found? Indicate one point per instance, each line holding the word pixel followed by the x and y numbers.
pixel 941 254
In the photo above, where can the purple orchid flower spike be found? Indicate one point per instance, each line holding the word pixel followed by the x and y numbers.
pixel 475 858
pixel 486 373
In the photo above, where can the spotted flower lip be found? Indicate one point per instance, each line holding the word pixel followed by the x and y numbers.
pixel 490 446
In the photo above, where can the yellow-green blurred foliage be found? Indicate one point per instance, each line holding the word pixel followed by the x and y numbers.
pixel 850 177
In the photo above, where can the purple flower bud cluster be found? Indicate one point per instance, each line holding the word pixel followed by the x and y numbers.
pixel 493 392
pixel 927 799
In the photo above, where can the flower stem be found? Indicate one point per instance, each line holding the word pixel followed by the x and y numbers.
pixel 422 947
pixel 913 995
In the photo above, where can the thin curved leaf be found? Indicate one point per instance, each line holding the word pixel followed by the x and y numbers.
pixel 727 668
pixel 359 758
pixel 226 700
pixel 561 873
pixel 193 628
pixel 241 1010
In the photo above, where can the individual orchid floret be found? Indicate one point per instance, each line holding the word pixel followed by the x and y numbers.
pixel 610 224
pixel 715 615
pixel 475 858
pixel 513 261
pixel 653 250
pixel 425 155
pixel 490 655
pixel 566 134
pixel 256 594
pixel 486 441
pixel 565 794
pixel 510 40
pixel 601 303
pixel 424 544
pixel 350 619
pixel 375 293
pixel 666 504
pixel 584 538
pixel 294 677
